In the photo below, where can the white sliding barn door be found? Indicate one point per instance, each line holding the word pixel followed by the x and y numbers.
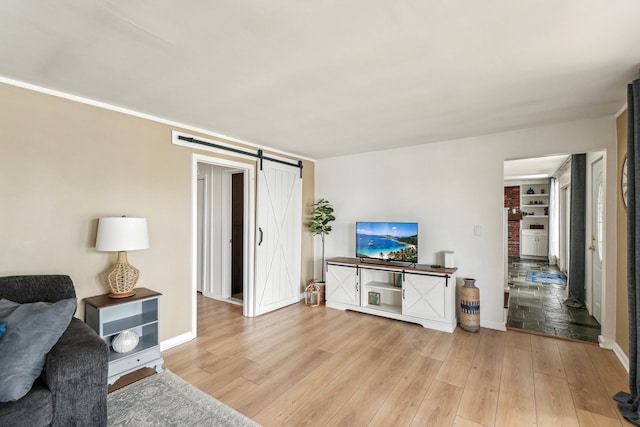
pixel 278 233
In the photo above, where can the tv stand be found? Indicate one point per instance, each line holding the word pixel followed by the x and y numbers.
pixel 414 293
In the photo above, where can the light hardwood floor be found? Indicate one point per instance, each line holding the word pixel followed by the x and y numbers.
pixel 318 366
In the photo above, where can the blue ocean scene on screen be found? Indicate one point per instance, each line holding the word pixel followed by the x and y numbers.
pixel 393 241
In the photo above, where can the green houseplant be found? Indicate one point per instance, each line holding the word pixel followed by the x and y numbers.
pixel 321 218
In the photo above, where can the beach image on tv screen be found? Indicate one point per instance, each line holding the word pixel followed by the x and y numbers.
pixel 392 241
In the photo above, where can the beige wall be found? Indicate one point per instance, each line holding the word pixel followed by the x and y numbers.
pixel 64 164
pixel 622 304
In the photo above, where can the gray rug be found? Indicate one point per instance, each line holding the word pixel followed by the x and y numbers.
pixel 165 399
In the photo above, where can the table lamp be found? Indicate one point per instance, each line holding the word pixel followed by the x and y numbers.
pixel 122 234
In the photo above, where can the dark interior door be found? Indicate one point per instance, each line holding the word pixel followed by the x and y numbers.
pixel 237 237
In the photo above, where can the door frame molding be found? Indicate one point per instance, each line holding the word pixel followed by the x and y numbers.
pixel 596 157
pixel 248 308
pixel 206 233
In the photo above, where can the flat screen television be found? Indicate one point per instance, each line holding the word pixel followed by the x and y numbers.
pixel 388 241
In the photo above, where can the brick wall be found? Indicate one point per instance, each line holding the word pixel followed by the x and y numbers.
pixel 512 200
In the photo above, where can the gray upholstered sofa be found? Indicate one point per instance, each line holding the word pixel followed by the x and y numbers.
pixel 72 389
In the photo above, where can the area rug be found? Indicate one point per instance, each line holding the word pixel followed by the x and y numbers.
pixel 547 278
pixel 165 399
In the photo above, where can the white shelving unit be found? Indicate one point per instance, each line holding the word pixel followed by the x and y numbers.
pixel 534 227
pixel 139 313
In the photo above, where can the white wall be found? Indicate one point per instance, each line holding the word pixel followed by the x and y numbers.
pixel 450 187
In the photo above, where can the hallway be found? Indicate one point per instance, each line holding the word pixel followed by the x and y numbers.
pixel 538 307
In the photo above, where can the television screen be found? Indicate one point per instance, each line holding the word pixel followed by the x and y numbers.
pixel 389 241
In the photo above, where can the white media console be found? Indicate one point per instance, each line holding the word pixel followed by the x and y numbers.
pixel 417 293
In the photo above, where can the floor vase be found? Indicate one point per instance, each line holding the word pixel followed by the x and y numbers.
pixel 470 306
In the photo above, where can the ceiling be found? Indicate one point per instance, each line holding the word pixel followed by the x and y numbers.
pixel 329 78
pixel 535 168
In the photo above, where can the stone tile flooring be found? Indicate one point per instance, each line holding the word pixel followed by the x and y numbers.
pixel 539 307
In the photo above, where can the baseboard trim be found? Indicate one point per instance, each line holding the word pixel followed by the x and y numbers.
pixel 175 341
pixel 498 326
pixel 624 360
pixel 605 343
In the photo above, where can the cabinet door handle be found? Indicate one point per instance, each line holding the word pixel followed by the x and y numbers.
pixel 403 294
pixel 260 231
pixel 356 287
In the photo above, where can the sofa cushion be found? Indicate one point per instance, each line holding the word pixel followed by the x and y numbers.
pixel 32 330
pixel 34 409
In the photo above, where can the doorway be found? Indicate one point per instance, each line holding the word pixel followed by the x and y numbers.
pixel 237 234
pixel 538 286
pixel 214 264
pixel 220 234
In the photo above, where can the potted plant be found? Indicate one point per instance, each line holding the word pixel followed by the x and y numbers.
pixel 321 218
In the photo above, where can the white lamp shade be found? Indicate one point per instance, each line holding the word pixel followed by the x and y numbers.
pixel 119 234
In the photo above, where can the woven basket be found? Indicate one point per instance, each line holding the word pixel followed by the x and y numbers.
pixel 470 306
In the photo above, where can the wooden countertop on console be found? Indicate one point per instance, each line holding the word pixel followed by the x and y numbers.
pixel 391 265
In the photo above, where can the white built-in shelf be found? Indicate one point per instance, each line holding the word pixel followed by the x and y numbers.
pixel 534 241
pixel 385 286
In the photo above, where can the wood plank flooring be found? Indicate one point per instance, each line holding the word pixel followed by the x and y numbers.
pixel 317 366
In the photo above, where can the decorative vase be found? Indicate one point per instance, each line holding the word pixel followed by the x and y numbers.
pixel 125 341
pixel 470 306
pixel 530 191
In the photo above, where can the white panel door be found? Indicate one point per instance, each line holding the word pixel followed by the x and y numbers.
pixel 597 238
pixel 424 296
pixel 278 232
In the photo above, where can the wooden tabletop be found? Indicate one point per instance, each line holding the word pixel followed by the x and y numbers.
pixel 363 262
pixel 101 301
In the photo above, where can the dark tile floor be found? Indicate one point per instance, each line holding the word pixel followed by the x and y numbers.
pixel 539 307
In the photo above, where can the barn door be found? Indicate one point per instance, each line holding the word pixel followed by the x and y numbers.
pixel 278 232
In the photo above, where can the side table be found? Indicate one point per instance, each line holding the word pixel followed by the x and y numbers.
pixel 139 314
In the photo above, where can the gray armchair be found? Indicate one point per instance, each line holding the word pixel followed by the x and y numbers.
pixel 72 389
